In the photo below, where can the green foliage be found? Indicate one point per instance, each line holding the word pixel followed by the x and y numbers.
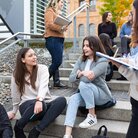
pixel 118 8
pixel 68 45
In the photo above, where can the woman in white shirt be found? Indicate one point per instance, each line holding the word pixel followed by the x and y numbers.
pixel 90 72
pixel 30 94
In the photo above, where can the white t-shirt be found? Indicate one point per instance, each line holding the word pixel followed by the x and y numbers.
pixel 88 65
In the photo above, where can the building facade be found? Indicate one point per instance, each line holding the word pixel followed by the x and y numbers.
pixel 26 15
pixel 81 18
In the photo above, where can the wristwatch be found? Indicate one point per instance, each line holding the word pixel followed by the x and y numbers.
pixel 62 29
pixel 39 99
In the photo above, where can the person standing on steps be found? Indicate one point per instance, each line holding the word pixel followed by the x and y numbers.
pixel 31 95
pixel 108 27
pixel 90 71
pixel 54 36
pixel 132 75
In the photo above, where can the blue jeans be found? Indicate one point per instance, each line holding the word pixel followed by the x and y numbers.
pixel 88 96
pixel 125 49
pixel 5 124
pixel 55 47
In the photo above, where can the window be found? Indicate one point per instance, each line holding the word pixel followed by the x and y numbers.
pixel 93 4
pixel 92 29
pixel 81 2
pixel 81 30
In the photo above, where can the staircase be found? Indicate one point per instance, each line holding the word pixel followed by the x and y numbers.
pixel 5 30
pixel 115 118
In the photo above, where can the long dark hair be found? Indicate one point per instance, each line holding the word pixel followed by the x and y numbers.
pixel 106 41
pixel 104 16
pixel 95 45
pixel 135 25
pixel 129 23
pixel 21 70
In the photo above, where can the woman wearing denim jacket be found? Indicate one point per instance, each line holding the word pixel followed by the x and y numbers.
pixel 125 35
pixel 90 71
pixel 54 35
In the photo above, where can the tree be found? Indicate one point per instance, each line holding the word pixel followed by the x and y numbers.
pixel 118 8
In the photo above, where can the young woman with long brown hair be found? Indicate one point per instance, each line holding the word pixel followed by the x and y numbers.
pixel 107 26
pixel 31 95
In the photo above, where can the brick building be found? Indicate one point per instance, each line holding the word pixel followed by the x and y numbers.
pixel 94 18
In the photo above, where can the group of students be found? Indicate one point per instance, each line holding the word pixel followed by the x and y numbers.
pixel 31 95
pixel 30 91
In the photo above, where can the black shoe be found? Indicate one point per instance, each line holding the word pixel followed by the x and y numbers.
pixel 19 133
pixel 60 85
pixel 121 78
pixel 34 133
pixel 49 86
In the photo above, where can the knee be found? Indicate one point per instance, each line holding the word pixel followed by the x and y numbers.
pixel 82 86
pixel 74 101
pixel 59 62
pixel 63 101
pixel 7 133
pixel 123 38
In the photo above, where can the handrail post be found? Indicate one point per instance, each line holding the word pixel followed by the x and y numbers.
pixel 25 43
pixel 87 22
pixel 75 34
pixel 35 16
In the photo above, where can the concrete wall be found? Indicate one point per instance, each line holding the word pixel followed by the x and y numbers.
pixel 17 14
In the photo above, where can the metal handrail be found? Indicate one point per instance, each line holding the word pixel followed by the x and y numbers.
pixel 19 33
pixel 3 49
pixel 78 10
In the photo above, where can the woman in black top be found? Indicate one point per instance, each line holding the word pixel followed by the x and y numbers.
pixel 107 26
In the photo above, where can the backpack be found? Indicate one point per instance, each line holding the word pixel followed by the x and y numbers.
pixel 109 73
pixel 99 132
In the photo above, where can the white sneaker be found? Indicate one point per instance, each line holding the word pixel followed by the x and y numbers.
pixel 67 136
pixel 89 121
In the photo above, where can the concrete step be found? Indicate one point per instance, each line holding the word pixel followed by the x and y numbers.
pixel 113 84
pixel 119 85
pixel 74 56
pixel 116 129
pixel 120 112
pixel 67 63
pixel 65 72
pixel 116 74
